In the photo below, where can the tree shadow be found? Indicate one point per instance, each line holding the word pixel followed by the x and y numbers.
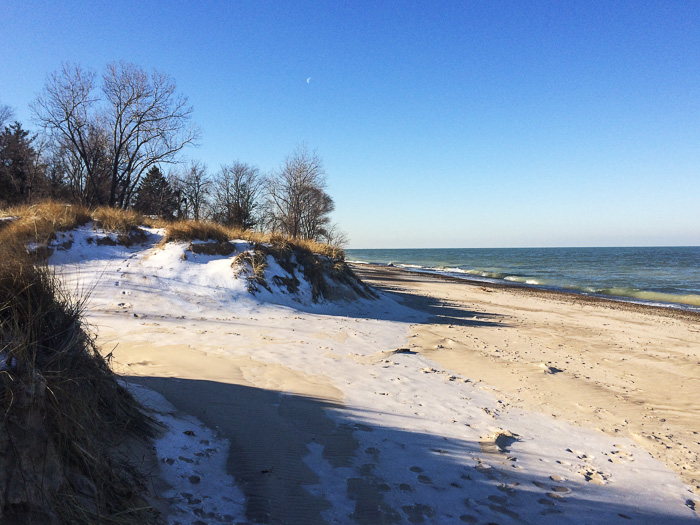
pixel 376 474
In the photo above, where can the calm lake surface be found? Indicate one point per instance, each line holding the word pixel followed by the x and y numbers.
pixel 666 276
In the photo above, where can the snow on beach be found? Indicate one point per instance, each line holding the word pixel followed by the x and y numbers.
pixel 329 414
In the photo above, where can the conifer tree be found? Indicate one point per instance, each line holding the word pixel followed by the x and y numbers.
pixel 18 171
pixel 155 195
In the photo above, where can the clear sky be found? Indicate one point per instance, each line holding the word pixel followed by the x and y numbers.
pixel 441 124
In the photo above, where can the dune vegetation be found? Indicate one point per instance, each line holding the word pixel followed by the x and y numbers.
pixel 66 419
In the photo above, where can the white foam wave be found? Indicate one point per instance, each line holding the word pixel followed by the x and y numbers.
pixel 523 280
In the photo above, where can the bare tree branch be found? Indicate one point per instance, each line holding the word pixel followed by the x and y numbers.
pixel 298 204
pixel 237 189
pixel 143 119
pixel 6 115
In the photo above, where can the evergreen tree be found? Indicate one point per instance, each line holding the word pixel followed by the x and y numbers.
pixel 155 195
pixel 18 165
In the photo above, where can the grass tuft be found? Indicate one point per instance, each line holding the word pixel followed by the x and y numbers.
pixel 256 260
pixel 195 230
pixel 40 222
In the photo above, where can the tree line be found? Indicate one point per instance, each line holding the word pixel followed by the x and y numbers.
pixel 108 140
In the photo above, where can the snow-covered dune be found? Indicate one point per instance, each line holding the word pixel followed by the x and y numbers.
pixel 331 414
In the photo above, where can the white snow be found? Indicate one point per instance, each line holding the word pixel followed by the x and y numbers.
pixel 192 460
pixel 426 438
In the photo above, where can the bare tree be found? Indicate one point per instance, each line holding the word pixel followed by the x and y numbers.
pixel 298 203
pixel 317 205
pixel 194 185
pixel 148 122
pixel 236 195
pixel 143 118
pixel 87 182
pixel 335 236
pixel 6 115
pixel 67 111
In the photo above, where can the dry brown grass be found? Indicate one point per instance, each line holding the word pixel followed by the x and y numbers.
pixel 324 272
pixel 257 261
pixel 64 414
pixel 119 221
pixel 204 231
pixel 334 253
pixel 195 230
pixel 40 222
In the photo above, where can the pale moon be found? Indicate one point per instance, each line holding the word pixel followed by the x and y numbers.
pixel 308 80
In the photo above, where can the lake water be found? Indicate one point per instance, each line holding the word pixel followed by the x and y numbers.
pixel 665 275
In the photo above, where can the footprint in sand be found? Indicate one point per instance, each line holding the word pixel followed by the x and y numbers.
pixel 560 489
pixel 590 472
pixel 421 477
pixel 498 499
pixel 580 455
pixel 558 479
pixel 418 512
pixel 499 442
pixel 619 455
pixel 506 511
pixel 593 475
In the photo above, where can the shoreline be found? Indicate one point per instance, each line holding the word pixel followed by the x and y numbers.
pixel 674 310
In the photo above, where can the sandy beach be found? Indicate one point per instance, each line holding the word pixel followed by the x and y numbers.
pixel 438 402
pixel 621 368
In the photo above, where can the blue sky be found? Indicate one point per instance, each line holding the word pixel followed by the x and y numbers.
pixel 441 124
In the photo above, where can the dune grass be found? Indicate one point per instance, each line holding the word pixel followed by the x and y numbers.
pixel 39 223
pixel 64 414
